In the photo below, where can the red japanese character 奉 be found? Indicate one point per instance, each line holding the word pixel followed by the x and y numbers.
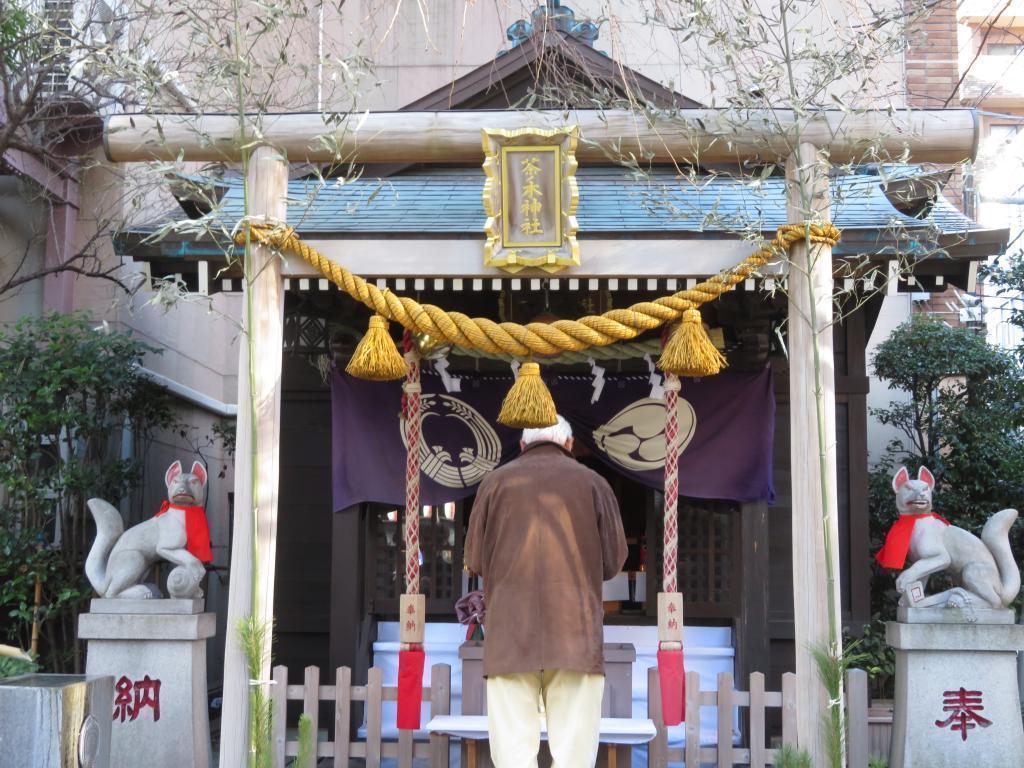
pixel 963 706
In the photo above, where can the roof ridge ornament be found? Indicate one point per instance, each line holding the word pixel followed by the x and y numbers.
pixel 552 15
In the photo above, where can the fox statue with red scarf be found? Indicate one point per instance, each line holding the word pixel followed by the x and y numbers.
pixel 178 533
pixel 984 570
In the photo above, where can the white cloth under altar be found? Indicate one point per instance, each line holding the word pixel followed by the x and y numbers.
pixel 709 650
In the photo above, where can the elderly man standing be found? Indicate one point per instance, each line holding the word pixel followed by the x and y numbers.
pixel 545 531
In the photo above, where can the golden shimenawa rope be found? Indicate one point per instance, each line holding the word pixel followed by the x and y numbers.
pixel 538 338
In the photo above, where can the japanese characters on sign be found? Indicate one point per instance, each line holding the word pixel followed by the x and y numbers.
pixel 412 610
pixel 963 707
pixel 133 697
pixel 410 618
pixel 670 617
pixel 530 196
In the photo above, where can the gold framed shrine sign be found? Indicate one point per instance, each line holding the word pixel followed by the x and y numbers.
pixel 530 197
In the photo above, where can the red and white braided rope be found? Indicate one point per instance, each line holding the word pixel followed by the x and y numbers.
pixel 412 473
pixel 670 558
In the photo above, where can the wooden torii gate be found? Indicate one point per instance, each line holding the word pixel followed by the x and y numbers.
pixel 939 136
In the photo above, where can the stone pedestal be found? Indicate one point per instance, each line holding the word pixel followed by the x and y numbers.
pixel 55 721
pixel 957 700
pixel 156 652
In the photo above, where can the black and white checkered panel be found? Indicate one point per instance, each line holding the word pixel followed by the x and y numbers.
pixel 406 284
pixel 891 281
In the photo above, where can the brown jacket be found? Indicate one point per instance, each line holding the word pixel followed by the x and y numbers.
pixel 544 533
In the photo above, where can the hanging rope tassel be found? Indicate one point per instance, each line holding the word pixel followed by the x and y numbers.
pixel 689 352
pixel 671 667
pixel 412 611
pixel 377 358
pixel 528 404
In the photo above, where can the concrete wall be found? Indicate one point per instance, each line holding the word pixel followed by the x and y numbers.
pixel 384 54
pixel 414 55
pixel 22 246
pixel 895 310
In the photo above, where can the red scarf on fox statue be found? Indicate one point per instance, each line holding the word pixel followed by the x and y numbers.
pixel 197 530
pixel 893 553
pixel 183 490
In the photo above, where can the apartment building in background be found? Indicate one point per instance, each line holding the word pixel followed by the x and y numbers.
pixel 991 63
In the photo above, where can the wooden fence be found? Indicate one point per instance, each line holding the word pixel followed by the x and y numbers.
pixel 725 755
pixel 344 694
pixel 757 701
pixel 880 729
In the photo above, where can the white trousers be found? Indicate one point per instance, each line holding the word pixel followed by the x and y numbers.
pixel 572 702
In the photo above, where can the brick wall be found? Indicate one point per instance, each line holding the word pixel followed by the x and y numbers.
pixel 932 69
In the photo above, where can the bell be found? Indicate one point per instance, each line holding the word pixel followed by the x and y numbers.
pixel 430 348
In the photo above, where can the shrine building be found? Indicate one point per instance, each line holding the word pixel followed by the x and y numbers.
pixel 418 230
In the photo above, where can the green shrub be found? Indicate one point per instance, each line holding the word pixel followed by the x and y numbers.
pixel 11 667
pixel 790 757
pixel 964 422
pixel 71 395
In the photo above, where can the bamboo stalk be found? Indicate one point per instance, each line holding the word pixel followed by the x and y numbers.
pixel 812 415
pixel 35 616
pixel 253 557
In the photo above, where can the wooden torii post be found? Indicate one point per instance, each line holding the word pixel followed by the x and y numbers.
pixel 939 136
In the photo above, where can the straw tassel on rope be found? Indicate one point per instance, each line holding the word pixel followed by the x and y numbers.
pixel 377 357
pixel 528 404
pixel 689 351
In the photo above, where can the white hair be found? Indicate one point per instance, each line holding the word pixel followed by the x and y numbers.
pixel 560 432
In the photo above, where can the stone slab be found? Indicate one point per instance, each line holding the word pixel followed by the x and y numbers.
pixel 146 627
pixel 159 706
pixel 157 606
pixel 955 637
pixel 55 721
pixel 911 615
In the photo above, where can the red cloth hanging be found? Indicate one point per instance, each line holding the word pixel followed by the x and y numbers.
pixel 410 689
pixel 672 676
pixel 197 530
pixel 893 553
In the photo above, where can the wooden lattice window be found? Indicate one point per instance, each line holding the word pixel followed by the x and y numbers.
pixel 709 567
pixel 440 558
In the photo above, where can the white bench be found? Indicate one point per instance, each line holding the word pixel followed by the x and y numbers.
pixel 613 730
pixel 626 731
